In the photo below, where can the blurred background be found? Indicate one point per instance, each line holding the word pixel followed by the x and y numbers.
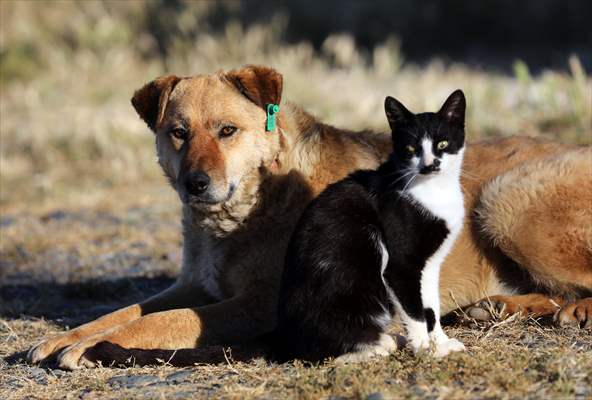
pixel 69 68
pixel 71 145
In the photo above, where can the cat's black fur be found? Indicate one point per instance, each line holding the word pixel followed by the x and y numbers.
pixel 332 287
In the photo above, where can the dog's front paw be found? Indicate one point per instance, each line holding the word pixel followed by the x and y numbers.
pixel 51 346
pixel 73 357
pixel 578 313
pixel 446 347
pixel 497 307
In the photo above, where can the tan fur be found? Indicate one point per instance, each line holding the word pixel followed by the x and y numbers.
pixel 577 313
pixel 233 249
pixel 540 215
pixel 470 271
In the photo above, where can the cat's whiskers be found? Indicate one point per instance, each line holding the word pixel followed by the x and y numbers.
pixel 406 171
pixel 408 183
pixel 397 172
pixel 406 174
pixel 402 192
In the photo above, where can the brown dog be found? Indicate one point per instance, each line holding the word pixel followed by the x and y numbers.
pixel 527 236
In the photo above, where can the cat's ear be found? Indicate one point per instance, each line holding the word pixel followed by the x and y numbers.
pixel 396 113
pixel 454 107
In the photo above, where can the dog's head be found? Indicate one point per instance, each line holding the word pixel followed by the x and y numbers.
pixel 210 129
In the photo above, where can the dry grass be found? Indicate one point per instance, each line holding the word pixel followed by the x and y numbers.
pixel 515 359
pixel 75 241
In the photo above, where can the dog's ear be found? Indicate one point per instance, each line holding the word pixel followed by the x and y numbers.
pixel 261 85
pixel 150 101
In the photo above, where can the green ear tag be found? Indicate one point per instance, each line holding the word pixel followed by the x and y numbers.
pixel 272 110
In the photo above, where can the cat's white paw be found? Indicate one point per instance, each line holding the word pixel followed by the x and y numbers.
pixel 419 345
pixel 387 343
pixel 443 348
pixel 383 347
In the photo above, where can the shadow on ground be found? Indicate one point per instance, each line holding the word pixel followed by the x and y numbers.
pixel 69 305
pixel 72 304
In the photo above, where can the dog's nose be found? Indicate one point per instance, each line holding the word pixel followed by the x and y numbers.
pixel 197 182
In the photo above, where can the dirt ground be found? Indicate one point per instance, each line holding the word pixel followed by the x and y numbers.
pixel 63 266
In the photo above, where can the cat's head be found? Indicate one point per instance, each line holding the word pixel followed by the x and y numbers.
pixel 428 142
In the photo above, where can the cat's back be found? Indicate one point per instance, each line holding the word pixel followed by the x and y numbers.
pixel 335 243
pixel 346 202
pixel 331 286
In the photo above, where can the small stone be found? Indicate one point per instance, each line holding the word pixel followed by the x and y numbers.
pixel 5 222
pixel 58 373
pixel 132 381
pixel 182 395
pixel 579 345
pixel 582 391
pixel 227 375
pixel 14 383
pixel 90 395
pixel 55 216
pixel 36 371
pixel 178 377
pixel 159 384
pixel 375 396
pixel 39 375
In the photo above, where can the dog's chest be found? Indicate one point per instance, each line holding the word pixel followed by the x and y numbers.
pixel 221 268
pixel 209 271
pixel 202 263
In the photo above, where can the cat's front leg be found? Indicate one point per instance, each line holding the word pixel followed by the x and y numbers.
pixel 417 332
pixel 443 345
pixel 418 305
pixel 421 339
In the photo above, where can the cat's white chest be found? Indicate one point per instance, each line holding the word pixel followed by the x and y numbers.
pixel 442 197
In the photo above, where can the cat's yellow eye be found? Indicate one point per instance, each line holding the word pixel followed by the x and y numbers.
pixel 442 145
pixel 410 149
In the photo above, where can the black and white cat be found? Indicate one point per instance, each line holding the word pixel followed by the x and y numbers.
pixel 372 245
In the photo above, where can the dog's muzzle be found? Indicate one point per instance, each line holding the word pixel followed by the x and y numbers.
pixel 196 183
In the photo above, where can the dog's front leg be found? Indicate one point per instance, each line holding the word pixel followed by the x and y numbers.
pixel 234 320
pixel 176 296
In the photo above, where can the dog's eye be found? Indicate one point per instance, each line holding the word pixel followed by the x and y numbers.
pixel 410 149
pixel 442 144
pixel 179 133
pixel 227 131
